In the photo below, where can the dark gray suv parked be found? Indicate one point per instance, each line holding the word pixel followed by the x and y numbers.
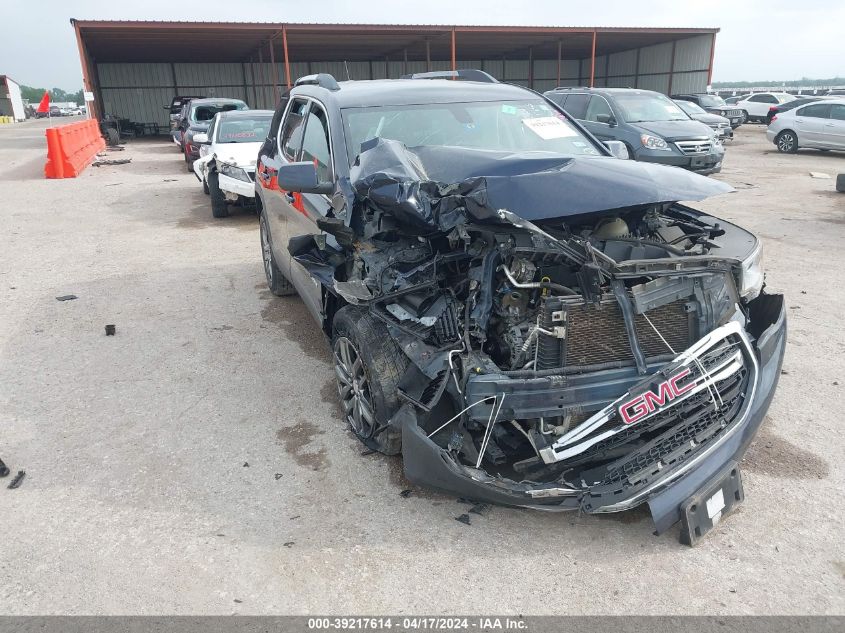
pixel 653 127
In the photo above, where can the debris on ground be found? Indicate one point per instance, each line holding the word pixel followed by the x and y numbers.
pixel 4 470
pixel 819 174
pixel 464 518
pixel 277 476
pixel 405 493
pixel 16 482
pixel 170 180
pixel 289 544
pixel 246 464
pixel 480 509
pixel 67 298
pixel 113 161
pixel 110 329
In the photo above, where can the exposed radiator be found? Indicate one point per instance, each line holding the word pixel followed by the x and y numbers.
pixel 596 334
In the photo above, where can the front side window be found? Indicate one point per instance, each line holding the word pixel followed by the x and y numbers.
pixel 815 111
pixel 290 139
pixel 315 143
pixel 515 126
pixel 243 129
pixel 598 110
pixel 647 107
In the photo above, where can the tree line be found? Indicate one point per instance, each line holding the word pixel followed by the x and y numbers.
pixel 57 95
pixel 794 83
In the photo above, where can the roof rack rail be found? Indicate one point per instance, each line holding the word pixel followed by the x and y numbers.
pixel 572 88
pixel 324 80
pixel 464 74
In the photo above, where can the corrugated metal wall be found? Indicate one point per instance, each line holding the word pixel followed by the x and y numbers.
pixel 652 67
pixel 140 91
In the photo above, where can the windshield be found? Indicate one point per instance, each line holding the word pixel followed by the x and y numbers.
pixel 243 130
pixel 206 111
pixel 690 108
pixel 517 126
pixel 711 101
pixel 647 107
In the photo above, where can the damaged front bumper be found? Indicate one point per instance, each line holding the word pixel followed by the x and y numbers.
pixel 698 442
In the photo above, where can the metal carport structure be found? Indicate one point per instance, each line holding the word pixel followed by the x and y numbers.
pixel 134 68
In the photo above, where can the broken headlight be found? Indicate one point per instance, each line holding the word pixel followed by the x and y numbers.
pixel 234 172
pixel 654 142
pixel 751 275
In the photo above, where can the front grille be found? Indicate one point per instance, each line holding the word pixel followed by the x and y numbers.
pixel 733 113
pixel 690 426
pixel 694 147
pixel 615 460
pixel 596 334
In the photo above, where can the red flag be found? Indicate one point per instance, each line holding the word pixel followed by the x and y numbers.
pixel 44 106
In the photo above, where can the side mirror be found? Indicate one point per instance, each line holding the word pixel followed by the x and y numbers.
pixel 606 118
pixel 201 138
pixel 618 149
pixel 302 177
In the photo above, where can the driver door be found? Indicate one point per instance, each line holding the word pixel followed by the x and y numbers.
pixel 302 217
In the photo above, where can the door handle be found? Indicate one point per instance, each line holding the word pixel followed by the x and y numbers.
pixel 830 125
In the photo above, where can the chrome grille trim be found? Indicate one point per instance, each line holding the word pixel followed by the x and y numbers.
pixel 694 147
pixel 567 445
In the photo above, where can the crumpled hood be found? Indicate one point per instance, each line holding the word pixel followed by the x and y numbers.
pixel 438 187
pixel 238 154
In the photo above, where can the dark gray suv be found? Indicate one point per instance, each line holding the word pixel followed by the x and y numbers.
pixel 653 127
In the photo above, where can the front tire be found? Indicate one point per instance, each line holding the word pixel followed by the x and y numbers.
pixel 368 366
pixel 276 281
pixel 787 142
pixel 219 206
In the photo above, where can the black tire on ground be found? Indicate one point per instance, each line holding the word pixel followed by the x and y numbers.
pixel 112 137
pixel 744 116
pixel 787 142
pixel 368 366
pixel 276 281
pixel 840 183
pixel 219 206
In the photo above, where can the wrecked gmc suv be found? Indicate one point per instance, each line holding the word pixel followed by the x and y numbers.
pixel 529 320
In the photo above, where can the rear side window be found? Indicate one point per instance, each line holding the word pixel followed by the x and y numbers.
pixel 837 111
pixel 315 144
pixel 576 106
pixel 815 111
pixel 290 139
pixel 559 99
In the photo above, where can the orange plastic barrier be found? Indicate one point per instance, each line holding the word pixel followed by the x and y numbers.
pixel 71 148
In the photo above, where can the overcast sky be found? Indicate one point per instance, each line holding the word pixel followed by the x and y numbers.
pixel 760 39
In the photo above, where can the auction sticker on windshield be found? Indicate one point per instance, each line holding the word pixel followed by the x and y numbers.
pixel 549 127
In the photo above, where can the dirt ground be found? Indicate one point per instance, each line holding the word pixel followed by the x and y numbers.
pixel 195 462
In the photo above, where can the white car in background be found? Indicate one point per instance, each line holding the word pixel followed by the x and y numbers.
pixel 228 151
pixel 756 106
pixel 817 125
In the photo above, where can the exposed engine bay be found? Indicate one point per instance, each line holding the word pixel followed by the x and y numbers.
pixel 578 356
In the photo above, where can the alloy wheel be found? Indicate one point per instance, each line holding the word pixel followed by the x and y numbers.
pixel 786 142
pixel 353 388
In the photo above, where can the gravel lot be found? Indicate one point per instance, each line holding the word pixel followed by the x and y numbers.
pixel 195 463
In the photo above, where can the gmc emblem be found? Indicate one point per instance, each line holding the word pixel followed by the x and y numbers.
pixel 645 404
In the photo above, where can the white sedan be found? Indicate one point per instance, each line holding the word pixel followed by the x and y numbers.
pixel 226 167
pixel 756 106
pixel 818 125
